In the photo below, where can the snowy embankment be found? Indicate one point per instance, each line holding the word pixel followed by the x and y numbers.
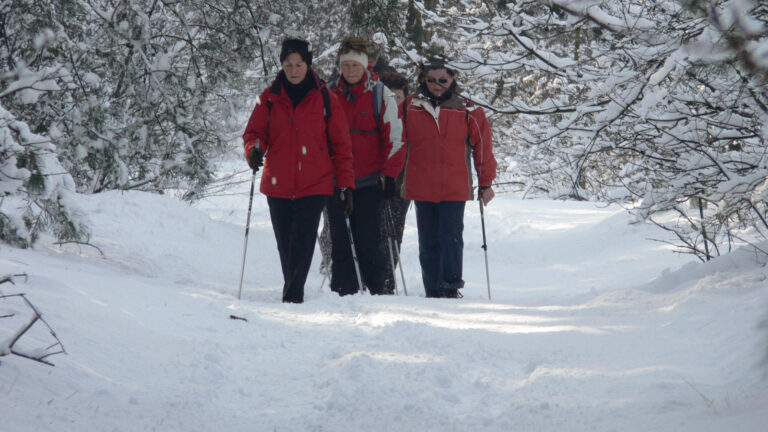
pixel 592 327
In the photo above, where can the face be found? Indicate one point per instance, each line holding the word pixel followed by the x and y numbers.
pixel 352 71
pixel 438 81
pixel 399 95
pixel 295 68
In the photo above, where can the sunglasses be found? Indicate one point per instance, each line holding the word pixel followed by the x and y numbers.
pixel 440 80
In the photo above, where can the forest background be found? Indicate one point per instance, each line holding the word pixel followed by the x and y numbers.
pixel 660 106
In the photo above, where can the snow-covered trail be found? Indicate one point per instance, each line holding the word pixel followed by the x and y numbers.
pixel 593 326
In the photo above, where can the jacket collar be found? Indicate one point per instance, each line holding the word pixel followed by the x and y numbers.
pixel 424 103
pixel 277 90
pixel 454 102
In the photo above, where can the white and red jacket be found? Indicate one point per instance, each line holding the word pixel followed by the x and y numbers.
pixel 298 162
pixel 437 166
pixel 377 150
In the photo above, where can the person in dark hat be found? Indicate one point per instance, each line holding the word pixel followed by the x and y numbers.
pixel 303 154
pixel 443 134
pixel 296 46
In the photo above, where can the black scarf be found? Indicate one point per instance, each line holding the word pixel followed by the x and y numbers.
pixel 297 92
pixel 437 100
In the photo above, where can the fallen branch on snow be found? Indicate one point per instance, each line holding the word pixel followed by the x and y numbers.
pixel 8 346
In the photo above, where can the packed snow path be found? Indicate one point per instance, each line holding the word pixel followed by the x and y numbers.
pixel 593 327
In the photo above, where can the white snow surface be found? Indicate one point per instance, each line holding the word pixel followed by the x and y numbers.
pixel 593 326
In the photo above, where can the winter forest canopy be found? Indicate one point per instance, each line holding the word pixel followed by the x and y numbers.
pixel 661 106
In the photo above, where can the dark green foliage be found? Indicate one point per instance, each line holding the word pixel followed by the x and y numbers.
pixel 140 88
pixel 371 16
pixel 413 26
pixel 10 234
pixel 35 183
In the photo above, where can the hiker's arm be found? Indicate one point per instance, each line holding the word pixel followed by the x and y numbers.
pixel 257 129
pixel 482 147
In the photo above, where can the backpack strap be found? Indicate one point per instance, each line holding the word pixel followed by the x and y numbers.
pixel 275 89
pixel 326 103
pixel 406 102
pixel 327 115
pixel 269 113
pixel 467 104
pixel 378 101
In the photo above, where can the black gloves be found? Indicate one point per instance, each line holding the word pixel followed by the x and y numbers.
pixel 255 159
pixel 485 194
pixel 388 187
pixel 344 198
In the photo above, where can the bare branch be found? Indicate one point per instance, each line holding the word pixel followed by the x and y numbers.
pixel 9 345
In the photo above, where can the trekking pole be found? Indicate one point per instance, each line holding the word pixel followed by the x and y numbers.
pixel 320 246
pixel 391 221
pixel 485 248
pixel 247 226
pixel 354 254
pixel 391 253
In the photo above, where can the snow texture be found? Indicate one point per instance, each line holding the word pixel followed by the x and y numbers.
pixel 592 327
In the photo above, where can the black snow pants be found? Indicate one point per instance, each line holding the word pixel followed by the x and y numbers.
pixel 295 223
pixel 365 221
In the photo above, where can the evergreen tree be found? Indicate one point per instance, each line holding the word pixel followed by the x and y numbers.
pixel 36 192
pixel 644 103
pixel 413 26
pixel 648 103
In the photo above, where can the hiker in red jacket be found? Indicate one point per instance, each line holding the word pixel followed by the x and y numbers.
pixel 443 135
pixel 304 152
pixel 378 157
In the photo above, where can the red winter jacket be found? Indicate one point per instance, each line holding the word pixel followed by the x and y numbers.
pixel 375 152
pixel 437 166
pixel 297 159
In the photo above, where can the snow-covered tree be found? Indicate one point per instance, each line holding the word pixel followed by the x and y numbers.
pixel 36 191
pixel 147 91
pixel 649 103
pixel 646 103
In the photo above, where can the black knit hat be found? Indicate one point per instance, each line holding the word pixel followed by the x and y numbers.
pixel 298 46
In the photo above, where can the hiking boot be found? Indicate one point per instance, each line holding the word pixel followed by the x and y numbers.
pixel 389 287
pixel 451 289
pixel 452 293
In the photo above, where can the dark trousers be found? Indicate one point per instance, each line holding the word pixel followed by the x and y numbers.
pixel 398 209
pixel 441 245
pixel 365 221
pixel 295 223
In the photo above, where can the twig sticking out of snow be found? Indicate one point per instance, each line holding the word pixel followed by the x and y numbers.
pixel 7 346
pixel 710 403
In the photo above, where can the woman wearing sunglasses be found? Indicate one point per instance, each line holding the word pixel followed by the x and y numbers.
pixel 443 136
